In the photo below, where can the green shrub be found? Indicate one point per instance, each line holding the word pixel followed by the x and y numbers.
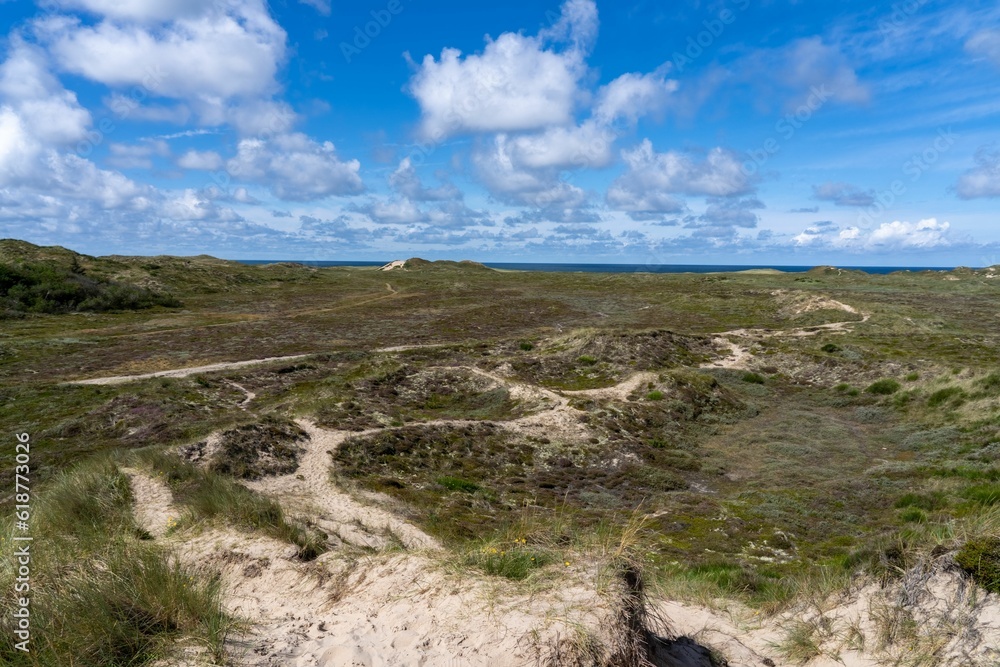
pixel 912 377
pixel 831 348
pixel 883 387
pixel 991 383
pixel 753 378
pixel 913 515
pixel 516 562
pixel 527 347
pixel 942 396
pixel 925 501
pixel 41 287
pixel 587 360
pixel 843 387
pixel 985 494
pixel 458 484
pixel 655 396
pixel 980 558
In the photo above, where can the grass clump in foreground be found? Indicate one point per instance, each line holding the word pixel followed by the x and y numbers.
pixel 101 596
pixel 516 561
pixel 980 558
pixel 208 496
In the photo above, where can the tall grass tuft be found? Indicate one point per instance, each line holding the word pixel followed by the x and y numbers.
pixel 100 595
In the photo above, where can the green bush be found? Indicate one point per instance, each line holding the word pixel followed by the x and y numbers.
pixel 985 494
pixel 527 347
pixel 511 563
pixel 655 396
pixel 883 387
pixel 753 378
pixel 980 558
pixel 587 360
pixel 49 288
pixel 942 396
pixel 991 383
pixel 913 515
pixel 831 348
pixel 458 484
pixel 912 377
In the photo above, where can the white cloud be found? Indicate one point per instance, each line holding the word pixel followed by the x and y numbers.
pixel 49 112
pixel 888 237
pixel 984 179
pixel 229 51
pixel 648 187
pixel 511 183
pixel 406 182
pixel 296 168
pixel 137 156
pixel 195 205
pixel 515 84
pixel 633 95
pixel 843 194
pixel 586 145
pixel 321 6
pixel 137 10
pixel 908 235
pixel 985 43
pixel 204 160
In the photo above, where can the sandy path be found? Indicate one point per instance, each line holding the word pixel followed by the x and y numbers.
pixel 185 372
pixel 154 504
pixel 309 493
pixel 385 609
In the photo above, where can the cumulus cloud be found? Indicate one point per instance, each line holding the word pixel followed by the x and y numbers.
pixel 633 95
pixel 652 180
pixel 295 168
pixel 983 180
pixel 517 83
pixel 208 55
pixel 49 113
pixel 203 160
pixel 888 237
pixel 406 182
pixel 513 184
pixel 843 194
pixel 137 156
pixel 925 234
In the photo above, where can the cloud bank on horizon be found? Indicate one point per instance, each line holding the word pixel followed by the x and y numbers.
pixel 738 131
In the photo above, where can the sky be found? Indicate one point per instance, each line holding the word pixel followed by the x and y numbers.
pixel 737 131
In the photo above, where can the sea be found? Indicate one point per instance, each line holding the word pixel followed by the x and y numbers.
pixel 624 268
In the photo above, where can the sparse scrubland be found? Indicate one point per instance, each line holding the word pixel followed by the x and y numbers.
pixel 760 468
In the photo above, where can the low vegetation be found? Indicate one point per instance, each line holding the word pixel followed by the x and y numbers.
pixel 829 454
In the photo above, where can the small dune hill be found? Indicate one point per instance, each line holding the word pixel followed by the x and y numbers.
pixel 395 395
pixel 418 264
pixel 52 280
pixel 590 359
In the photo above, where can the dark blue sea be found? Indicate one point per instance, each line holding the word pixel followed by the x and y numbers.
pixel 627 268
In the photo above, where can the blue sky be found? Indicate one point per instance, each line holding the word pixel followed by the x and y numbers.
pixel 735 131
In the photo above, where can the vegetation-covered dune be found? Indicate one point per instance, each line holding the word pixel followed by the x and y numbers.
pixel 443 462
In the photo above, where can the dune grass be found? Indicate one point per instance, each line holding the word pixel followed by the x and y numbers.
pixel 101 594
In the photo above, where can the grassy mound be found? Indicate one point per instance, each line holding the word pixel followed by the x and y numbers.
pixel 39 287
pixel 254 451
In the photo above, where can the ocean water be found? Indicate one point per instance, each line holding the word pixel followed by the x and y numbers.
pixel 626 268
